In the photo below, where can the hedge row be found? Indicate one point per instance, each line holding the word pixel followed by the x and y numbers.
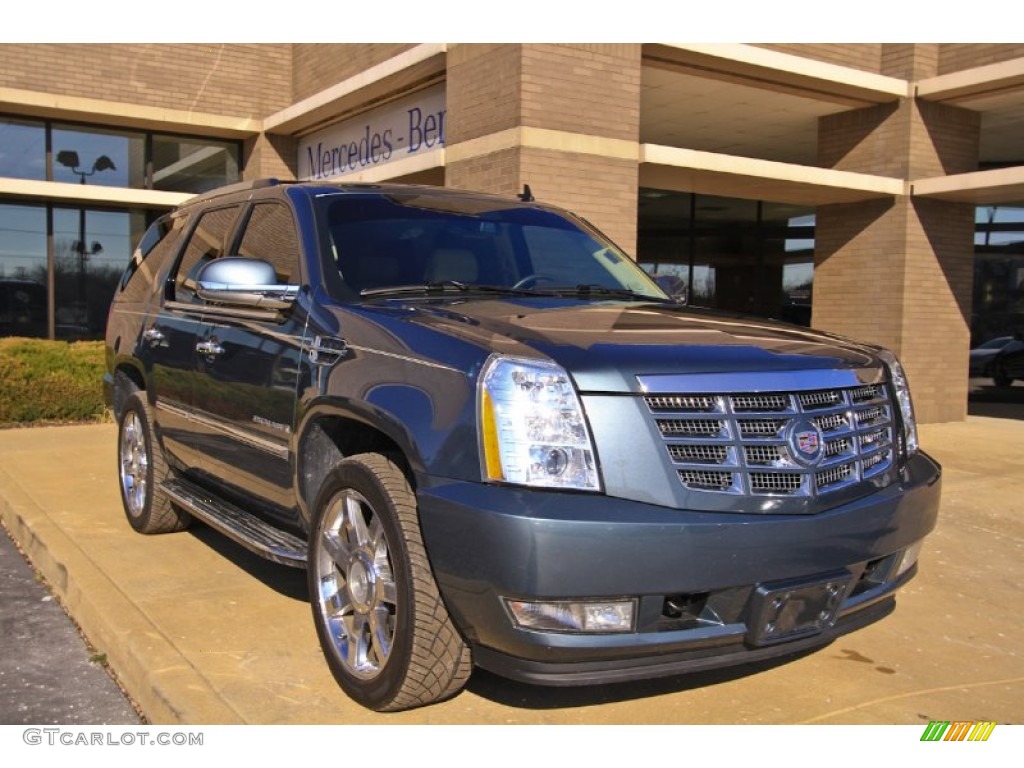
pixel 50 381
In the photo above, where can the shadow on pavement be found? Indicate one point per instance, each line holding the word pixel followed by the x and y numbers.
pixel 286 581
pixel 986 399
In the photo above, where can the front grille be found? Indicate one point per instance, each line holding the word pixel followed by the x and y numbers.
pixel 806 442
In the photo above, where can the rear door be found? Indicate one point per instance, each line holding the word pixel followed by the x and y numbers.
pixel 168 343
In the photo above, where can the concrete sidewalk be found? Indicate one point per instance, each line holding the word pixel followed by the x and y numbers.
pixel 201 632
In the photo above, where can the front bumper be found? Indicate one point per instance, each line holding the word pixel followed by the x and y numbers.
pixel 487 543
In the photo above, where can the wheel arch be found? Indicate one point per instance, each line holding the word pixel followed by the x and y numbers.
pixel 126 374
pixel 330 432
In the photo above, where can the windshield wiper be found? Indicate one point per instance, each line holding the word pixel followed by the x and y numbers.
pixel 592 289
pixel 446 286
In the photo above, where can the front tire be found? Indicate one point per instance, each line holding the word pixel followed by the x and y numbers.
pixel 1001 374
pixel 142 469
pixel 384 630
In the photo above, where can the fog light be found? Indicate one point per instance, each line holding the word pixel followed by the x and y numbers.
pixel 565 616
pixel 910 555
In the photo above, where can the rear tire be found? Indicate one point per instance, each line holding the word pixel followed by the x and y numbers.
pixel 142 469
pixel 384 630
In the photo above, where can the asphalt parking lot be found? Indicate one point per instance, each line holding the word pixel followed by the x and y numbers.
pixel 201 632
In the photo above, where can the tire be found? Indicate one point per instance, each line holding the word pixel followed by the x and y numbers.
pixel 1001 375
pixel 141 470
pixel 384 630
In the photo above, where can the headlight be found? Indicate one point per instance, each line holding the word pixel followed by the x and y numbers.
pixel 899 383
pixel 532 429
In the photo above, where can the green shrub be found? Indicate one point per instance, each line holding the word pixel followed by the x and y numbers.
pixel 50 381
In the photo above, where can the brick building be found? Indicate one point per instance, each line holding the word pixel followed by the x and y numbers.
pixel 874 190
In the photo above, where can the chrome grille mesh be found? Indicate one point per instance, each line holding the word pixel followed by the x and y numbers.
pixel 744 443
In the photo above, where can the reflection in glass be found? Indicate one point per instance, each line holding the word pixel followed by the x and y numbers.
pixel 125 153
pixel 193 165
pixel 23 294
pixel 22 149
pixel 727 253
pixel 998 306
pixel 91 249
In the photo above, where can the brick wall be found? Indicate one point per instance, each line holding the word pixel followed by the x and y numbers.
pixel 494 172
pixel 954 57
pixel 244 80
pixel 866 56
pixel 601 189
pixel 316 66
pixel 269 156
pixel 576 89
pixel 871 140
pixel 898 272
pixel 482 90
pixel 910 61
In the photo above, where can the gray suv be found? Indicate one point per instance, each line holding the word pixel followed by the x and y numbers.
pixel 490 439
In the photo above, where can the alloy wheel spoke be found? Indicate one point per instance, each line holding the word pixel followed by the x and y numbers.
pixel 355 522
pixel 337 548
pixel 357 641
pixel 380 626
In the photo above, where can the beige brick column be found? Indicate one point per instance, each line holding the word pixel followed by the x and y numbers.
pixel 270 156
pixel 562 118
pixel 898 272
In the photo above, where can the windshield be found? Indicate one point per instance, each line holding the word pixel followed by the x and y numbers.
pixel 380 242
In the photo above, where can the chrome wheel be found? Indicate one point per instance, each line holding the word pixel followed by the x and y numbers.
pixel 142 470
pixel 386 635
pixel 134 464
pixel 358 597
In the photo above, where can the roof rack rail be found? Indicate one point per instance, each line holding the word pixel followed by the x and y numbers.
pixel 241 186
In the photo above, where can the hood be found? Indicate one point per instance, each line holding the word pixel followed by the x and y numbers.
pixel 605 346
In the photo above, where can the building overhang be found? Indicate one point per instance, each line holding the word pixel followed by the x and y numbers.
pixel 972 84
pixel 53 106
pixel 79 194
pixel 417 67
pixel 999 186
pixel 688 170
pixel 781 72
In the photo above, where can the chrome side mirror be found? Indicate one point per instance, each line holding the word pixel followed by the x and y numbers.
pixel 245 282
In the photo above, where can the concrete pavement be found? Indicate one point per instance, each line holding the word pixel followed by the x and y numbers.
pixel 201 632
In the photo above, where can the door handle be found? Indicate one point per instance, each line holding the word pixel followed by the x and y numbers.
pixel 209 347
pixel 154 336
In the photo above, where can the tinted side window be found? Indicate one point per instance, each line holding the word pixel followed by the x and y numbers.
pixel 150 259
pixel 270 235
pixel 205 245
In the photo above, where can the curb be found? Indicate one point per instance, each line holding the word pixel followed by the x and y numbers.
pixel 144 661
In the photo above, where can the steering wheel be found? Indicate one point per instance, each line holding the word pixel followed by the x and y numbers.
pixel 533 279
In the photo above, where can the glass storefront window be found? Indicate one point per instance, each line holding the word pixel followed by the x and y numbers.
pixel 787 237
pixel 22 149
pixel 664 239
pixel 727 253
pixel 98 156
pixel 193 165
pixel 998 306
pixel 91 250
pixel 23 274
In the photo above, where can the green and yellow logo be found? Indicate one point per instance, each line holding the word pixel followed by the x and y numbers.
pixel 958 730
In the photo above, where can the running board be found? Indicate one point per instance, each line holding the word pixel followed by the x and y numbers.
pixel 251 532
